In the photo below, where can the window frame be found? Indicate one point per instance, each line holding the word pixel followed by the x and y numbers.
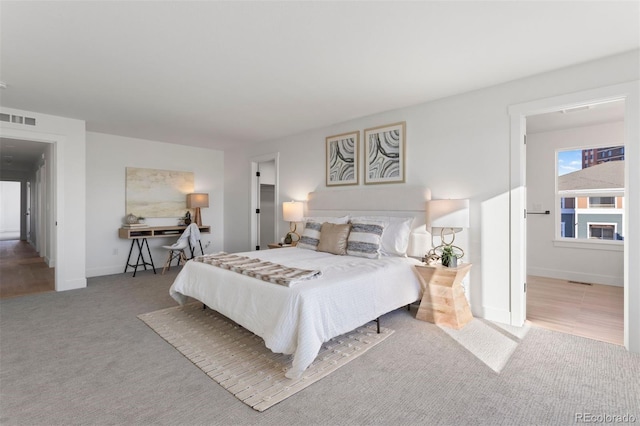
pixel 602 224
pixel 601 205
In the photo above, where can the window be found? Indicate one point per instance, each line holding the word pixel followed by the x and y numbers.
pixel 568 203
pixel 602 231
pixel 602 202
pixel 590 194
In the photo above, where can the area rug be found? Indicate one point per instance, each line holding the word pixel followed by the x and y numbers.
pixel 239 360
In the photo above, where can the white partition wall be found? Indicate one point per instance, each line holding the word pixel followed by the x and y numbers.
pixel 65 220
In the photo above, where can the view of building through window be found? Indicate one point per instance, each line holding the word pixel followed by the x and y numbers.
pixel 590 189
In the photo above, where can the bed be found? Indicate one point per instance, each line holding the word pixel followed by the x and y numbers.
pixel 350 290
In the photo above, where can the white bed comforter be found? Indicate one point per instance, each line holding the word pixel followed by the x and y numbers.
pixel 298 319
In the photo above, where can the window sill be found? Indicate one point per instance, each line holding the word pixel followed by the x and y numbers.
pixel 590 244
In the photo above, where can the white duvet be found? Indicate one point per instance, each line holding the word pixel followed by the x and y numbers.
pixel 296 320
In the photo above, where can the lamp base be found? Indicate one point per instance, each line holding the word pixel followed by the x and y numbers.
pixel 292 232
pixel 197 217
pixel 292 238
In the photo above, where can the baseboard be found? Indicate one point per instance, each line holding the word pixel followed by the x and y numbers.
pixel 107 270
pixel 493 314
pixel 71 284
pixel 576 276
pixel 51 263
pixel 112 270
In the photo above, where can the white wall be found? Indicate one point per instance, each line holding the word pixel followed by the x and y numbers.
pixel 25 176
pixel 66 205
pixel 9 206
pixel 602 264
pixel 108 157
pixel 459 147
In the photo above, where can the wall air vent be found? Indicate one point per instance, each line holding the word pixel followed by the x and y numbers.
pixel 18 119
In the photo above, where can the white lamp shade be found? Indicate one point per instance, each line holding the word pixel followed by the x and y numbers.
pixel 293 211
pixel 448 214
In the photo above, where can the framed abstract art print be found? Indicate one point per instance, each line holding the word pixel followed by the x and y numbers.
pixel 342 159
pixel 384 154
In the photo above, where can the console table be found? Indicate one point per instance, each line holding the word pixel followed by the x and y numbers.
pixel 443 299
pixel 139 236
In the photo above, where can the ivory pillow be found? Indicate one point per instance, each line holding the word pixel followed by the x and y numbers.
pixel 395 238
pixel 330 219
pixel 365 238
pixel 333 238
pixel 310 236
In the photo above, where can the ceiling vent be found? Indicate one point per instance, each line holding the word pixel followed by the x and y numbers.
pixel 17 119
pixel 576 109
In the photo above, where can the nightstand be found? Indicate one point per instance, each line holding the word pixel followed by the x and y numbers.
pixel 443 299
pixel 278 245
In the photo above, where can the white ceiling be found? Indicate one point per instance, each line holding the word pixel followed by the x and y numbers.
pixel 19 155
pixel 219 74
pixel 587 115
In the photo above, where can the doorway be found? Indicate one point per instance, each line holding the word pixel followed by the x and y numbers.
pixel 518 199
pixel 267 215
pixel 575 198
pixel 264 200
pixel 27 190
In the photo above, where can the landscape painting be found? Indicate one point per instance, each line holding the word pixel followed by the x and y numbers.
pixel 157 193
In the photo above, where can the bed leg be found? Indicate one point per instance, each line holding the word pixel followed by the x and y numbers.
pixel 204 306
pixel 377 320
pixel 409 307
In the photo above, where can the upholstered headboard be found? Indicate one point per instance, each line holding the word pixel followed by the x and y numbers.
pixel 388 200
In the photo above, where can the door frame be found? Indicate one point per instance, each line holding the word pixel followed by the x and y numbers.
pixel 255 195
pixel 54 249
pixel 630 93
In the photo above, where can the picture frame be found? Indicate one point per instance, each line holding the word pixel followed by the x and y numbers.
pixel 342 160
pixel 157 193
pixel 384 154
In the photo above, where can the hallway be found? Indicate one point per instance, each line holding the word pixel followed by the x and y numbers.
pixel 22 271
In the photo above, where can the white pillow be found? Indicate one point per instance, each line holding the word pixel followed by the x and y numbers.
pixel 365 238
pixel 310 236
pixel 395 238
pixel 329 219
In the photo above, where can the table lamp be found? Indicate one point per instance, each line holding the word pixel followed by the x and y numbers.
pixel 450 216
pixel 196 201
pixel 292 212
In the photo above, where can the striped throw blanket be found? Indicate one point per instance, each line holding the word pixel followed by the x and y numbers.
pixel 260 269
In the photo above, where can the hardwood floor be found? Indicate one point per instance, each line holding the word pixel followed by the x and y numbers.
pixel 22 271
pixel 594 311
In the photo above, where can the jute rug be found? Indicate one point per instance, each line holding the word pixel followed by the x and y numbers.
pixel 239 360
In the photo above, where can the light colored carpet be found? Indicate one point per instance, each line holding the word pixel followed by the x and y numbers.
pixel 82 357
pixel 239 360
pixel 490 342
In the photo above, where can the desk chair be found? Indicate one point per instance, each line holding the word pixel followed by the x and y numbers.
pixel 176 251
pixel 189 238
